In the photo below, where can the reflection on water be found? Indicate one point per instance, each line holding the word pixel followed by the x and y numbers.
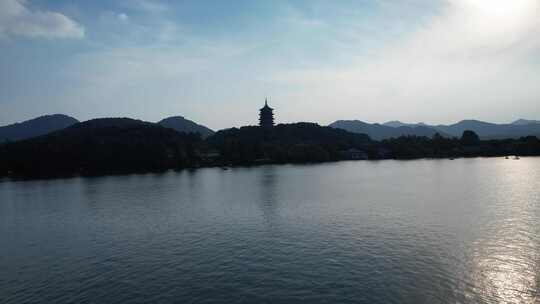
pixel 505 268
pixel 506 260
pixel 426 231
pixel 267 189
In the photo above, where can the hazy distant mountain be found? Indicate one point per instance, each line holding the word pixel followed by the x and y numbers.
pixel 485 130
pixel 488 130
pixel 480 127
pixel 35 127
pixel 378 131
pixel 181 124
pixel 521 122
pixel 397 124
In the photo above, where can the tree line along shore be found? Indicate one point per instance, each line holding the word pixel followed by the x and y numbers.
pixel 122 145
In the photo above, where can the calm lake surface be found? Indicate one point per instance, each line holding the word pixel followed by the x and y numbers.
pixel 426 231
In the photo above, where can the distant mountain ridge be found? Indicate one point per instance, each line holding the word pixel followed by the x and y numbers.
pixel 379 132
pixel 520 128
pixel 486 130
pixel 36 127
pixel 181 124
pixel 397 124
pixel 521 122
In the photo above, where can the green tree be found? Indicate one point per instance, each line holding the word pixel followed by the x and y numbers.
pixel 469 138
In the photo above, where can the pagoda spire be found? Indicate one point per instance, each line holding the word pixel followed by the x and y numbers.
pixel 266 115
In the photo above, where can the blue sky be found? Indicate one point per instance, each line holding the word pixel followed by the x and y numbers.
pixel 436 61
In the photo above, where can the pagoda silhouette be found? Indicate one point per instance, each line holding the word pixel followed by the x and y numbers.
pixel 266 116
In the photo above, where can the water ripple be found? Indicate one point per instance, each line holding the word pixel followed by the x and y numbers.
pixel 427 231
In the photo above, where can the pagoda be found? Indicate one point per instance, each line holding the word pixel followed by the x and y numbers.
pixel 266 116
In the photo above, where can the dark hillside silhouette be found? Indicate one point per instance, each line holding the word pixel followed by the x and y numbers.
pixel 99 146
pixel 123 145
pixel 35 127
pixel 412 147
pixel 181 124
pixel 299 142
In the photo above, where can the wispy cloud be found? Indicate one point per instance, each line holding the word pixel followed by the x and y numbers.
pixel 122 17
pixel 139 23
pixel 472 59
pixel 148 6
pixel 17 19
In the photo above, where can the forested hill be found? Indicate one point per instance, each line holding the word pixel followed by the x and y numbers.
pixel 299 142
pixel 182 124
pixel 100 146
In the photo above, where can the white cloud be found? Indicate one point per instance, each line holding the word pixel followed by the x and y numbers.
pixel 17 19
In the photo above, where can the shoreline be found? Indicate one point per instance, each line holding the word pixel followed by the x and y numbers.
pixel 36 177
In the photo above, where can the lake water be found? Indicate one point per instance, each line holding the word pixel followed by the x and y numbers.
pixel 426 231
